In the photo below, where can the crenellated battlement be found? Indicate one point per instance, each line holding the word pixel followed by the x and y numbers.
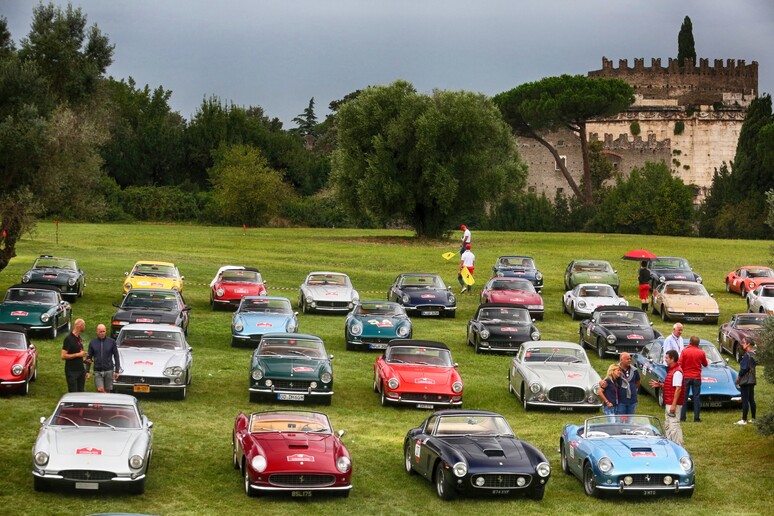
pixel 732 67
pixel 623 142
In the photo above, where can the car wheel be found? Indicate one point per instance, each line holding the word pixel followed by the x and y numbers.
pixel 742 291
pixel 663 314
pixel 524 399
pixel 573 315
pixel 326 400
pixel 581 342
pixel 762 310
pixel 451 314
pixel 137 487
pixel 737 352
pixel 589 485
pixel 510 385
pixel 39 484
pixel 563 454
pixel 69 324
pixel 249 491
pixel 25 388
pixel 600 348
pixel 54 331
pixel 182 393
pixel 660 397
pixel 304 307
pixel 34 376
pixel 564 307
pixel 477 348
pixel 254 397
pixel 408 459
pixel 383 398
pixel 80 291
pixel 234 458
pixel 653 305
pixel 728 287
pixel 443 485
pixel 376 386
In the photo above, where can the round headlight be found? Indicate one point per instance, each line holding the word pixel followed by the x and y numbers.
pixel 17 369
pixel 500 274
pixel 355 296
pixel 451 298
pixel 403 330
pixel 326 377
pixel 238 326
pixel 356 328
pixel 535 335
pixel 581 304
pixel 752 285
pixel 628 480
pixel 535 387
pixel 544 469
pixel 521 482
pixel 175 287
pixel 257 374
pixel 460 469
pixel 173 371
pixel 268 383
pixel 686 463
pixel 668 480
pixel 405 299
pixel 136 462
pixel 538 276
pixel 220 292
pixel 127 286
pixel 480 481
pixel 343 464
pixel 457 387
pixel 313 385
pixel 259 463
pixel 309 300
pixel 41 458
pixel 292 326
pixel 699 280
pixel 393 383
pixel 45 317
pixel 71 281
pixel 26 278
pixel 484 334
pixel 611 339
pixel 662 279
pixel 623 303
pixel 605 465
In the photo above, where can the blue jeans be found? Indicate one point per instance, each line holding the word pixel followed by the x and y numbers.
pixel 627 408
pixel 609 411
pixel 692 386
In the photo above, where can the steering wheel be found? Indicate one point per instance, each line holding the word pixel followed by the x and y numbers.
pixel 314 427
pixel 643 430
pixel 118 420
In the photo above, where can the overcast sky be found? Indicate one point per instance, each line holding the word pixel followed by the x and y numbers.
pixel 277 54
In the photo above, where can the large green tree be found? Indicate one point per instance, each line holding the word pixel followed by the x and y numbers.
pixel 686 48
pixel 425 160
pixel 568 101
pixel 306 121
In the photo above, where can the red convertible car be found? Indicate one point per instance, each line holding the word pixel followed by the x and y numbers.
pixel 419 373
pixel 290 451
pixel 516 292
pixel 232 283
pixel 18 359
pixel 747 278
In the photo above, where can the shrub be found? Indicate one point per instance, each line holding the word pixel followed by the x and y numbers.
pixel 679 127
pixel 634 127
pixel 160 203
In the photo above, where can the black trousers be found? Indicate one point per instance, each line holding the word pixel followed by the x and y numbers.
pixel 748 400
pixel 76 380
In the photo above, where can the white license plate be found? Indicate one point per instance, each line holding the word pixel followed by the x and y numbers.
pixel 431 312
pixel 694 318
pixel 290 397
pixel 377 346
pixel 301 494
pixel 424 406
pixel 87 485
pixel 649 493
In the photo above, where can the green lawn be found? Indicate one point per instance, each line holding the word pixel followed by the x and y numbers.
pixel 191 472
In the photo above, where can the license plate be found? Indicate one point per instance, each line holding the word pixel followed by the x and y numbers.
pixel 501 491
pixel 424 406
pixel 377 346
pixel 712 404
pixel 431 312
pixel 649 493
pixel 694 318
pixel 301 494
pixel 566 409
pixel 87 485
pixel 291 397
pixel 142 388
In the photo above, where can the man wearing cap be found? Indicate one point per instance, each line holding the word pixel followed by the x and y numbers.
pixel 465 238
pixel 467 260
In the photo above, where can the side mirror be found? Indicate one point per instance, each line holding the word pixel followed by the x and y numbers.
pixel 340 433
pixel 712 295
pixel 187 308
pixel 295 314
pixel 126 274
pixel 448 287
pixel 42 420
pixel 615 271
pixel 116 304
pixel 182 277
pixel 455 365
pixel 330 357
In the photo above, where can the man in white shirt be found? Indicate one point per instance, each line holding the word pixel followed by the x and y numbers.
pixel 675 339
pixel 467 260
pixel 465 238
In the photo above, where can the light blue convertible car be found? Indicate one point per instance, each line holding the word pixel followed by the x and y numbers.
pixel 258 315
pixel 627 455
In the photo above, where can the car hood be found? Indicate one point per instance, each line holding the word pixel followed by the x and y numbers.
pixel 288 451
pixel 44 274
pixel 495 450
pixel 152 282
pixel 264 323
pixel 286 367
pixel 674 274
pixel 89 442
pixel 505 328
pixel 639 333
pixel 241 289
pixel 718 374
pixel 9 357
pixel 145 315
pixel 144 362
pixel 594 302
pixel 329 292
pixel 557 373
pixel 426 376
pixel 428 295
pixel 516 297
pixel 595 277
pixel 691 303
pixel 23 313
pixel 628 452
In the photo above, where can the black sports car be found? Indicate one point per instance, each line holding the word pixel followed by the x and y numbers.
pixel 498 327
pixel 423 294
pixel 474 453
pixel 518 267
pixel 669 268
pixel 144 305
pixel 613 329
pixel 59 272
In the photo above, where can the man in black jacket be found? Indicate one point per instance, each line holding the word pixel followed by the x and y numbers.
pixel 103 353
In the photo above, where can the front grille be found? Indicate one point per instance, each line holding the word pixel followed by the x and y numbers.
pixel 377 340
pixel 510 344
pixel 296 385
pixel 649 480
pixel 630 347
pixel 302 480
pixel 421 396
pixel 430 308
pixel 333 304
pixel 500 481
pixel 143 380
pixel 87 475
pixel 567 394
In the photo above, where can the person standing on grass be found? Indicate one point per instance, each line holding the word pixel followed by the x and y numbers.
pixel 103 352
pixel 746 381
pixel 628 386
pixel 73 355
pixel 608 391
pixel 465 239
pixel 692 359
pixel 675 339
pixel 674 397
pixel 468 261
pixel 643 277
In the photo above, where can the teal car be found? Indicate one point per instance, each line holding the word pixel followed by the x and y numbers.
pixel 372 324
pixel 37 308
pixel 590 271
pixel 291 367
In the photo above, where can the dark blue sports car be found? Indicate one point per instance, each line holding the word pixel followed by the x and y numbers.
pixel 423 294
pixel 474 453
pixel 669 268
pixel 518 267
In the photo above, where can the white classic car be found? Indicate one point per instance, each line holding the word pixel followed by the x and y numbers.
pixel 586 297
pixel 761 300
pixel 327 292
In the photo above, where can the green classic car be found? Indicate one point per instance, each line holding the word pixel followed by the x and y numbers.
pixel 590 271
pixel 37 308
pixel 62 273
pixel 372 324
pixel 291 367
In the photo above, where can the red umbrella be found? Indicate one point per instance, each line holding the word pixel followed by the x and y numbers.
pixel 638 255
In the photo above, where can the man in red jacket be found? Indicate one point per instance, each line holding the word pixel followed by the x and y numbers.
pixel 673 397
pixel 691 361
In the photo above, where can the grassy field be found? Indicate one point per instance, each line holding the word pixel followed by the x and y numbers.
pixel 192 473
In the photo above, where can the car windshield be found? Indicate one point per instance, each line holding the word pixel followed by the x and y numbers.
pixel 669 263
pixel 381 309
pixel 265 305
pixel 290 421
pixel 154 270
pixel 553 354
pixel 516 261
pixel 291 347
pixel 12 340
pixel 625 318
pixel 623 426
pixel 105 415
pixel 713 355
pixel 240 276
pixel 491 315
pixel 763 272
pixel 331 280
pixel 158 339
pixel 686 289
pixel 154 300
pixel 55 263
pixel 591 267
pixel 418 355
pixel 29 295
pixel 472 424
pixel 512 284
pixel 596 291
pixel 767 292
pixel 422 281
pixel 750 322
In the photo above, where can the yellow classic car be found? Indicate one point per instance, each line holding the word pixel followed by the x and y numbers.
pixel 684 301
pixel 153 274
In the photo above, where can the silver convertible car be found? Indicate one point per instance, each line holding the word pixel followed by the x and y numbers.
pixel 554 374
pixel 154 358
pixel 91 441
pixel 327 292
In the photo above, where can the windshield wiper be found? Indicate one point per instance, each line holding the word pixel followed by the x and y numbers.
pixel 99 422
pixel 296 352
pixel 76 425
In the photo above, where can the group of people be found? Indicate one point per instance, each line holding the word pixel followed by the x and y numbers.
pixel 102 353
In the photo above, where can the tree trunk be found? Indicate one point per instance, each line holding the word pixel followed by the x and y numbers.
pixel 588 192
pixel 562 166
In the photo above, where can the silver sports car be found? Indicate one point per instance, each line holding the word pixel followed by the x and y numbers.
pixel 91 441
pixel 327 292
pixel 154 358
pixel 554 374
pixel 586 297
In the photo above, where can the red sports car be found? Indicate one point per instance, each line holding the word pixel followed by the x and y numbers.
pixel 232 283
pixel 18 359
pixel 419 373
pixel 290 451
pixel 513 291
pixel 747 278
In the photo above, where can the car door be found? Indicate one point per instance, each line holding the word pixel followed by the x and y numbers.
pixel 651 369
pixel 424 454
pixel 567 272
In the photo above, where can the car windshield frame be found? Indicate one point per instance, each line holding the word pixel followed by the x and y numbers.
pixel 267 306
pixel 418 356
pixel 291 347
pixel 514 315
pixel 470 425
pixel 153 270
pixel 601 290
pixel 536 353
pixel 285 421
pixel 328 280
pixel 622 318
pixel 514 284
pixel 151 300
pixel 711 352
pixel 382 309
pixel 516 262
pixel 621 426
pixel 686 289
pixel 151 339
pixel 50 262
pixel 12 340
pixel 673 263
pixel 592 266
pixel 420 281
pixel 96 415
pixel 47 297
pixel 750 321
pixel 240 276
pixel 763 272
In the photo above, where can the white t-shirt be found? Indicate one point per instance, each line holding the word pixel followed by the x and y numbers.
pixel 468 258
pixel 677 379
pixel 466 236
